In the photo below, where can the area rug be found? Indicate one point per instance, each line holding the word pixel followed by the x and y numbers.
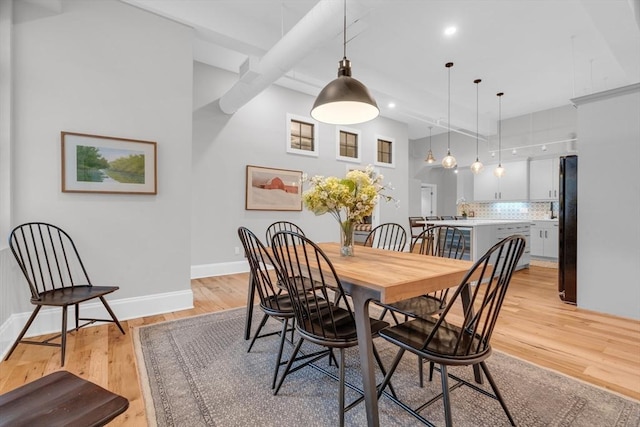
pixel 197 372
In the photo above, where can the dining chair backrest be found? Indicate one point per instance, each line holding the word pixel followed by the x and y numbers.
pixel 485 284
pixel 281 226
pixel 432 218
pixel 298 256
pixel 390 236
pixel 447 217
pixel 265 272
pixel 415 225
pixel 440 240
pixel 47 257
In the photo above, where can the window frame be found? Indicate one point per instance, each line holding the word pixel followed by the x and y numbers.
pixel 358 134
pixel 290 150
pixel 377 162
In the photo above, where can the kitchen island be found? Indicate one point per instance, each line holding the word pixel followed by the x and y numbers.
pixel 482 234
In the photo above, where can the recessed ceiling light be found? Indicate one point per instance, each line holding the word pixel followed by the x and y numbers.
pixel 449 31
pixel 514 152
pixel 392 105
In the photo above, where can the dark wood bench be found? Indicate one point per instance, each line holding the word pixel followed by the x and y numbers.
pixel 60 399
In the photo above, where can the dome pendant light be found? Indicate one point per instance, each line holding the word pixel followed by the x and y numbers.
pixel 499 171
pixel 449 161
pixel 477 166
pixel 345 101
pixel 430 158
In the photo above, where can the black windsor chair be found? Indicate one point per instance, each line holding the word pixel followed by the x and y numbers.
pixel 274 303
pixel 332 326
pixel 390 236
pixel 442 241
pixel 56 277
pixel 446 341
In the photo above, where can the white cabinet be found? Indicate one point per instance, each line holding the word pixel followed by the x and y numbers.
pixel 514 185
pixel 487 235
pixel 544 239
pixel 543 179
pixel 503 231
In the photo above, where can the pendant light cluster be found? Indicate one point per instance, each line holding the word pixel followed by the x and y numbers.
pixel 345 101
pixel 449 162
pixel 499 171
pixel 477 166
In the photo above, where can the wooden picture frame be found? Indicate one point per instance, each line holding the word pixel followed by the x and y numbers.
pixel 271 189
pixel 105 164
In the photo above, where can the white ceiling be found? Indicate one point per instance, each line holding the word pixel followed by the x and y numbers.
pixel 540 53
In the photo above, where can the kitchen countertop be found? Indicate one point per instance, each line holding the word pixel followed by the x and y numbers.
pixel 478 222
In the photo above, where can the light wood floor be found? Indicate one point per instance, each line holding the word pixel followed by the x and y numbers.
pixel 534 325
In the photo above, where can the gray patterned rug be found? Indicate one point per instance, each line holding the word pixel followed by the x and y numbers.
pixel 197 372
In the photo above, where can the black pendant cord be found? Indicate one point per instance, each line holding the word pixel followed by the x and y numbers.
pixel 344 32
pixel 449 65
pixel 477 82
pixel 500 128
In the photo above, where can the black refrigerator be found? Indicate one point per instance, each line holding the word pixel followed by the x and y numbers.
pixel 568 228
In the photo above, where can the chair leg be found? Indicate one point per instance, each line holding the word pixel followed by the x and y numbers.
pixel 341 390
pixel 113 316
pixel 288 367
pixel 77 312
pixel 392 369
pixel 384 313
pixel 484 367
pixel 421 371
pixel 384 371
pixel 63 345
pixel 444 377
pixel 431 366
pixel 262 322
pixel 283 337
pixel 24 330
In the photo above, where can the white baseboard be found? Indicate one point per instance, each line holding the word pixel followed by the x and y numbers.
pixel 219 269
pixel 49 319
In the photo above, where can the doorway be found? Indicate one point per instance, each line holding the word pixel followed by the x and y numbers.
pixel 428 199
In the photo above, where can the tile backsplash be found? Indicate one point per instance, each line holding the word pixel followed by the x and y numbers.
pixel 511 210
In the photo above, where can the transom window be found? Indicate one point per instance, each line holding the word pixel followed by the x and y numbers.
pixel 348 144
pixel 385 151
pixel 302 135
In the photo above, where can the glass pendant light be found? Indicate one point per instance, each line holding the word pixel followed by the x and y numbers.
pixel 345 100
pixel 499 171
pixel 477 166
pixel 449 161
pixel 430 158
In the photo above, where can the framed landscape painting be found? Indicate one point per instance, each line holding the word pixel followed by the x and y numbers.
pixel 270 189
pixel 104 164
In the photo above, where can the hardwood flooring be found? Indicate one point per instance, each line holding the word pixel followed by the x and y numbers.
pixel 534 325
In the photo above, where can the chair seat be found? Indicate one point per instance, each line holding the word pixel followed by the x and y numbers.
pixel 74 295
pixel 422 306
pixel 345 327
pixel 412 335
pixel 60 399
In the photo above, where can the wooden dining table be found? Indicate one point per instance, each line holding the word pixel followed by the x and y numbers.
pixel 384 276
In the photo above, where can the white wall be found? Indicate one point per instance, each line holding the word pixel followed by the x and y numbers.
pixel 105 68
pixel 256 135
pixel 609 202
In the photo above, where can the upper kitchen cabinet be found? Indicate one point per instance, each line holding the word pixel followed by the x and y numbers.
pixel 543 179
pixel 513 186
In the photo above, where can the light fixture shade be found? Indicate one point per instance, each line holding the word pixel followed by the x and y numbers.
pixel 449 161
pixel 345 101
pixel 499 171
pixel 477 167
pixel 430 158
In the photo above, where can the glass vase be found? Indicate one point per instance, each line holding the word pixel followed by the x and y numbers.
pixel 346 238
